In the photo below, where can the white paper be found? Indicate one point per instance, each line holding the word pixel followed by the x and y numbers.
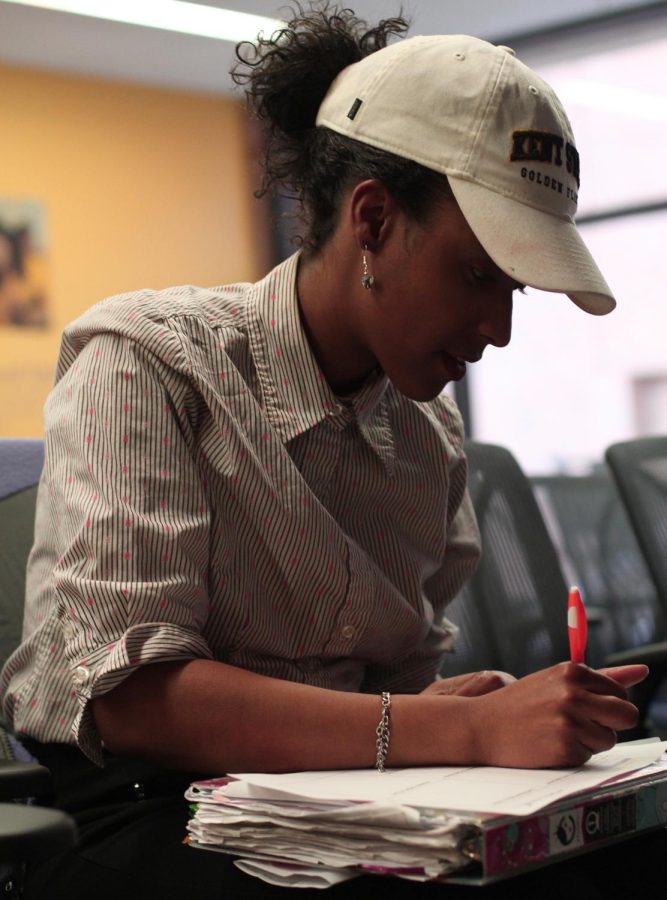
pixel 286 875
pixel 479 790
pixel 377 837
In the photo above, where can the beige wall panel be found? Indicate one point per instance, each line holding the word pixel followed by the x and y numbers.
pixel 141 187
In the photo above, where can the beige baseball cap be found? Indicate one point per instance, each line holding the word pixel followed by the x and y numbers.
pixel 474 112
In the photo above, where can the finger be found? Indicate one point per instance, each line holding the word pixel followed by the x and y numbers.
pixel 472 684
pixel 450 685
pixel 581 676
pixel 505 677
pixel 608 712
pixel 626 675
pixel 597 738
pixel 485 683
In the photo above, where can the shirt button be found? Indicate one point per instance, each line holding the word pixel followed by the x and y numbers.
pixel 348 631
pixel 81 675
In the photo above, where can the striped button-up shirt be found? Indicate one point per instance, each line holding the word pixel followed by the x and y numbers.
pixel 206 495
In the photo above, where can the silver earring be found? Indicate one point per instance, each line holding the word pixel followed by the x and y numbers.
pixel 367 280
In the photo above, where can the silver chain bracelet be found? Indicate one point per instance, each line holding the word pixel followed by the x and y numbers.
pixel 382 733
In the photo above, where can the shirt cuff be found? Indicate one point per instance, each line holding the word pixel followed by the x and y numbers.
pixel 106 667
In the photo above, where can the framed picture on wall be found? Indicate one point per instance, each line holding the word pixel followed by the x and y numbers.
pixel 23 264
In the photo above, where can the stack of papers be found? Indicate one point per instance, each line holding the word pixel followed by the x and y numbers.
pixel 312 829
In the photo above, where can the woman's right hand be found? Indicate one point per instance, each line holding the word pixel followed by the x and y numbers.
pixel 558 717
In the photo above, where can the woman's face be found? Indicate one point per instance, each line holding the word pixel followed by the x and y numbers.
pixel 438 302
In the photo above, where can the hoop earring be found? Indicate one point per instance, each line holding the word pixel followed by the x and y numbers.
pixel 367 280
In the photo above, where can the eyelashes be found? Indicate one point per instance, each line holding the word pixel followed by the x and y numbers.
pixel 480 276
pixel 483 277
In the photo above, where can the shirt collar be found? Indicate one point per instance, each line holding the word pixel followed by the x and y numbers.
pixel 297 396
pixel 370 409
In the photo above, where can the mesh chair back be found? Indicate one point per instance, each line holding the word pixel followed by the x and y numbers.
pixel 599 552
pixel 640 470
pixel 517 600
pixel 21 464
pixel 476 647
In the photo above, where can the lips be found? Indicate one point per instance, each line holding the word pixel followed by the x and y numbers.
pixel 454 365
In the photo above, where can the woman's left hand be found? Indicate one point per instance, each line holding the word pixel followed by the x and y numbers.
pixel 472 684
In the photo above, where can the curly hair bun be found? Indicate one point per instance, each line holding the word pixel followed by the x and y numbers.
pixel 287 75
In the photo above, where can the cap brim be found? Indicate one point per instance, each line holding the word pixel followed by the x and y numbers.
pixel 534 247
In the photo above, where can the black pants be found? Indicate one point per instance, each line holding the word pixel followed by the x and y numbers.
pixel 131 819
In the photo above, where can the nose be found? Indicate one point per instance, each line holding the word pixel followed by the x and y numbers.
pixel 496 328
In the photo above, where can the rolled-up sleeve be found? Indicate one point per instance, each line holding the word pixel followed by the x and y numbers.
pixel 128 514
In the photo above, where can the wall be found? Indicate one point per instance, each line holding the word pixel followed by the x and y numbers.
pixel 142 187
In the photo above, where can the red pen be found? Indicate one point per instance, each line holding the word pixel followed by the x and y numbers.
pixel 577 626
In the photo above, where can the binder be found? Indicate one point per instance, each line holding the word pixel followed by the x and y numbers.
pixel 502 846
pixel 473 848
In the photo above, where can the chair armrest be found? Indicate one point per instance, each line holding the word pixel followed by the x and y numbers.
pixel 644 693
pixel 653 655
pixel 32 833
pixel 23 779
pixel 597 616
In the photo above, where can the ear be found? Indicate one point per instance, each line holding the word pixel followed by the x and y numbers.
pixel 373 213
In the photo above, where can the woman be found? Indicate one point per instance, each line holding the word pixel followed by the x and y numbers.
pixel 253 512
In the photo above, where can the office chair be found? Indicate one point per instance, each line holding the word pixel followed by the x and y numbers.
pixel 598 550
pixel 28 833
pixel 639 468
pixel 513 612
pixel 21 463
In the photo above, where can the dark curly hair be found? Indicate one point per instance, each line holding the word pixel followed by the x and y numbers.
pixel 286 77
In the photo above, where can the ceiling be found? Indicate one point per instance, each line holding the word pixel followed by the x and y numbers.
pixel 93 47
